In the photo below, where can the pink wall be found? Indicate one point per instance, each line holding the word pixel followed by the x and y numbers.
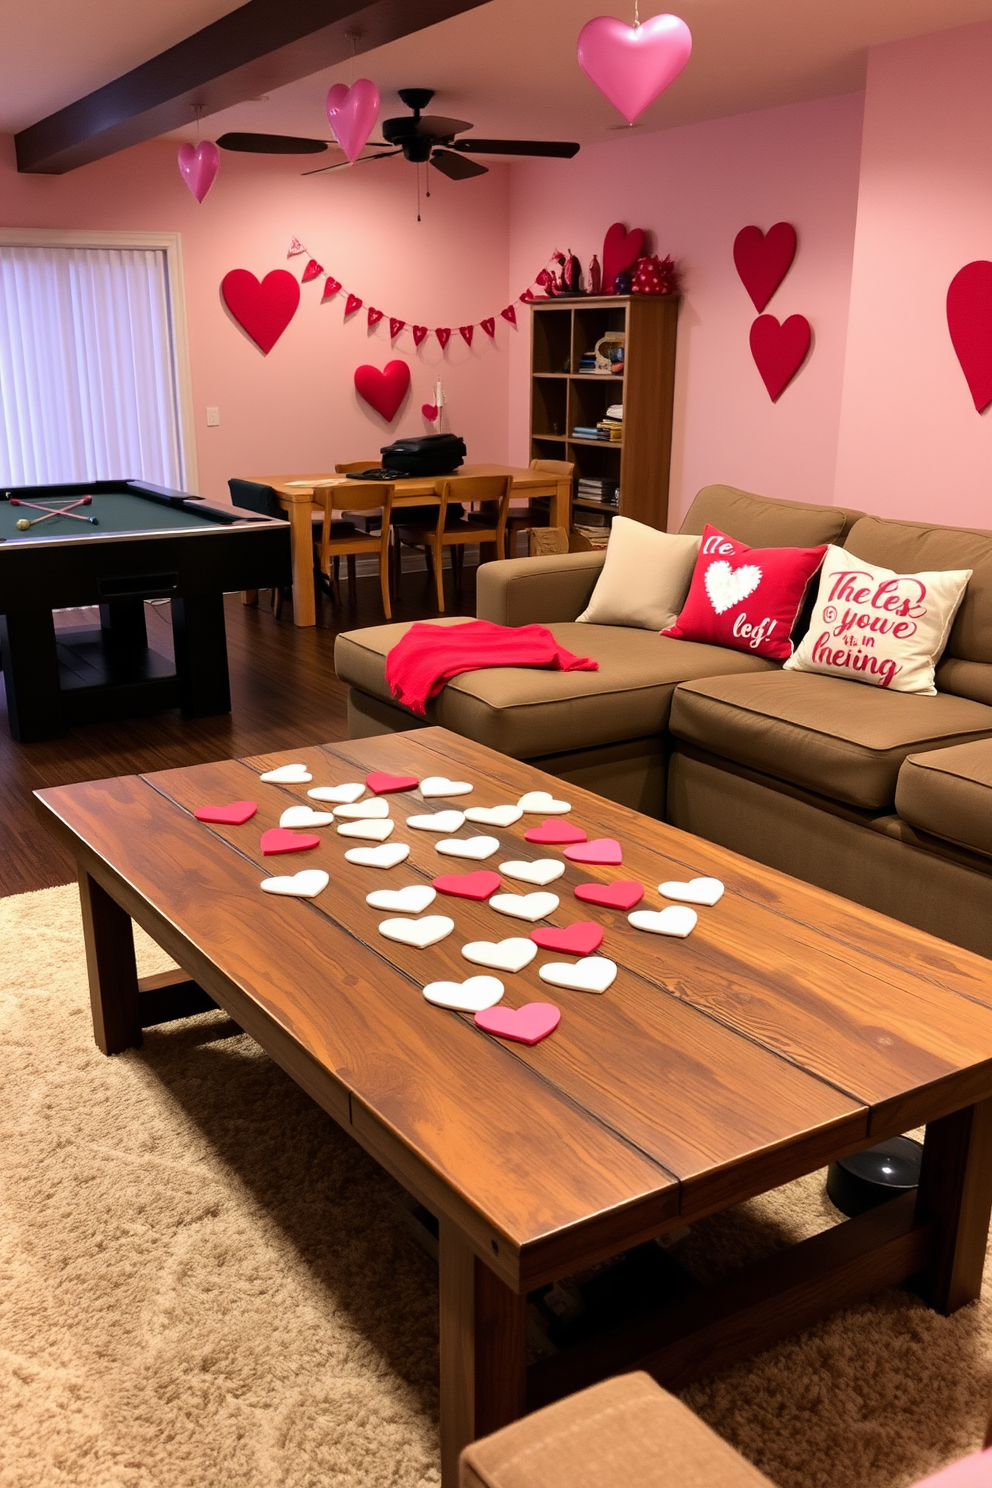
pixel 297 409
pixel 911 442
pixel 695 187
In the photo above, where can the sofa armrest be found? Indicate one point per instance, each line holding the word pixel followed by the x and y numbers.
pixel 522 591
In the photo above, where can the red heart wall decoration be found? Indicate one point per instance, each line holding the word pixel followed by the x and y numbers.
pixel 313 270
pixel 262 310
pixel 527 295
pixel 621 250
pixel 509 314
pixel 395 326
pixel 429 410
pixel 779 350
pixel 489 325
pixel 331 287
pixel 419 334
pixel 763 259
pixel 351 304
pixel 374 317
pixel 384 390
pixel 466 333
pixel 443 334
pixel 969 320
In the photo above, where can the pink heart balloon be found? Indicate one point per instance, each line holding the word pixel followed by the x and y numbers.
pixel 351 113
pixel 198 167
pixel 633 64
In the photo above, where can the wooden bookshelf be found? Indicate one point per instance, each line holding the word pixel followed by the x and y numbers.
pixel 562 399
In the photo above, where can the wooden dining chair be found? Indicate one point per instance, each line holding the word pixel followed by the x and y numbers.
pixel 345 539
pixel 537 512
pixel 256 497
pixel 455 525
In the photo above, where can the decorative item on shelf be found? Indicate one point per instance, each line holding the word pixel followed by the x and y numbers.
pixel 198 167
pixel 969 321
pixel 609 351
pixel 632 65
pixel 763 259
pixel 351 113
pixel 572 274
pixel 595 276
pixel 384 391
pixel 779 350
pixel 621 250
pixel 655 276
pixel 622 282
pixel 264 309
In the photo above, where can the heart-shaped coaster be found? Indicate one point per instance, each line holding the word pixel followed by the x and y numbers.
pixel 437 821
pixel 278 840
pixel 579 939
pixel 525 906
pixel 526 1025
pixel 476 848
pixel 234 814
pixel 494 816
pixel 591 974
pixel 503 955
pixel 440 785
pixel 288 775
pixel 374 810
pixel 382 784
pixel 541 871
pixel 306 884
pixel 696 891
pixel 677 919
pixel 420 933
pixel 542 801
pixel 622 895
pixel 553 832
pixel 600 850
pixel 469 885
pixel 387 855
pixel 349 792
pixel 305 816
pixel 465 997
pixel 410 900
pixel 369 831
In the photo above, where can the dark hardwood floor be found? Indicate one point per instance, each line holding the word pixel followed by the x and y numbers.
pixel 284 692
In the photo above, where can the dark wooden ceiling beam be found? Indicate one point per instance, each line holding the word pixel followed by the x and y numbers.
pixel 259 47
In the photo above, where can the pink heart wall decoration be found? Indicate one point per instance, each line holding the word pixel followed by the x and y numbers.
pixel 621 250
pixel 631 65
pixel 969 320
pixel 351 113
pixel 763 259
pixel 779 350
pixel 263 310
pixel 198 167
pixel 384 390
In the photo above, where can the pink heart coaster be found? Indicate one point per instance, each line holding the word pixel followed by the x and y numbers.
pixel 622 895
pixel 232 815
pixel 555 831
pixel 279 840
pixel 382 784
pixel 580 939
pixel 526 1025
pixel 469 885
pixel 600 850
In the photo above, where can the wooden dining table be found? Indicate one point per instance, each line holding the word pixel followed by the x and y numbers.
pixel 299 495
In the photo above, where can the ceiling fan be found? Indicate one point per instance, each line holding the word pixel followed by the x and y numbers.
pixel 420 138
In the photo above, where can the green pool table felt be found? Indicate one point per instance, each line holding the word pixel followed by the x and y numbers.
pixel 116 512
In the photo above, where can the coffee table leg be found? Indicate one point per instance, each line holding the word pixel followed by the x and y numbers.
pixel 956 1191
pixel 111 967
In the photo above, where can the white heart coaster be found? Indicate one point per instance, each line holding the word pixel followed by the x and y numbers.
pixel 305 816
pixel 411 900
pixel 288 775
pixel 371 831
pixel 494 816
pixel 591 974
pixel 437 821
pixel 541 801
pixel 476 848
pixel 541 871
pixel 349 792
pixel 696 891
pixel 420 933
pixel 677 919
pixel 465 997
pixel 525 906
pixel 504 955
pixel 386 856
pixel 373 810
pixel 304 885
pixel 440 785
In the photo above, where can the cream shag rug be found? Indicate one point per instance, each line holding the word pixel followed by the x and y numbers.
pixel 203 1283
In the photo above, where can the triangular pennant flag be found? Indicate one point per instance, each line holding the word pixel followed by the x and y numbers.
pixel 352 304
pixel 419 333
pixel 313 270
pixel 295 247
pixel 395 326
pixel 443 334
pixel 528 294
pixel 509 314
pixel 331 287
pixel 489 325
pixel 466 333
pixel 374 317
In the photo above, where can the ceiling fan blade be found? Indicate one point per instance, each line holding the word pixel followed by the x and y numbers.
pixel 562 149
pixel 272 144
pixel 340 164
pixel 455 167
pixel 431 126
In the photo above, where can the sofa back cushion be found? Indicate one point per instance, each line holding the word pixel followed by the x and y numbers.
pixel 765 521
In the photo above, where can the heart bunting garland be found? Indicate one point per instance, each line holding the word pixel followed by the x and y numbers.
pixel 509 314
pixel 395 326
pixel 374 316
pixel 331 287
pixel 489 325
pixel 443 334
pixel 352 304
pixel 466 333
pixel 313 270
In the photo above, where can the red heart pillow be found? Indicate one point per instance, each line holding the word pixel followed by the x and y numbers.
pixel 745 598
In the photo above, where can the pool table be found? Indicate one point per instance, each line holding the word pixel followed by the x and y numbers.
pixel 138 542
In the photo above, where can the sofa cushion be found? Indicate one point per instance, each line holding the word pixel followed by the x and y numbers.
pixel 765 521
pixel 822 733
pixel 526 712
pixel 948 793
pixel 645 578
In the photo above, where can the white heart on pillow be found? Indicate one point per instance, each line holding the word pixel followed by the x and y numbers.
pixel 726 586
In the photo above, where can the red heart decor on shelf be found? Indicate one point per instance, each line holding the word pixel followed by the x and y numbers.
pixel 384 390
pixel 429 410
pixel 374 316
pixel 264 309
pixel 313 270
pixel 779 350
pixel 395 326
pixel 622 895
pixel 443 334
pixel 600 850
pixel 489 325
pixel 621 250
pixel 480 885
pixel 233 815
pixel 419 334
pixel 331 287
pixel 526 1025
pixel 969 320
pixel 351 304
pixel 553 829
pixel 510 314
pixel 279 840
pixel 763 259
pixel 380 784
pixel 580 939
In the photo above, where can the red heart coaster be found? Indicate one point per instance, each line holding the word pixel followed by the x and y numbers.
pixel 553 829
pixel 279 840
pixel 233 815
pixel 622 895
pixel 580 939
pixel 527 1025
pixel 601 850
pixel 469 885
pixel 381 784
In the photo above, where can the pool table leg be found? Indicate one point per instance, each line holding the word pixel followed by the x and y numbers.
pixel 31 675
pixel 200 641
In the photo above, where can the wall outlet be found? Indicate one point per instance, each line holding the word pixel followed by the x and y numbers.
pixel 213 417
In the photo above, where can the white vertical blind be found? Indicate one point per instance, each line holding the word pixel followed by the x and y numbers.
pixel 88 378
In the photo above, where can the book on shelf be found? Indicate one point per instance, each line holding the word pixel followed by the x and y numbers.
pixel 612 430
pixel 590 431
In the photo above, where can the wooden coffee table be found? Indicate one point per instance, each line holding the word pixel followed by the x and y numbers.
pixel 790 1028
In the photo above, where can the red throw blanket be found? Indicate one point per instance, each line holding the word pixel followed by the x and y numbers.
pixel 428 656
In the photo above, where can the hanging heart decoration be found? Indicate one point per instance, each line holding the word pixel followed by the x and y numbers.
pixel 351 113
pixel 631 65
pixel 374 317
pixel 198 166
pixel 527 296
pixel 779 350
pixel 384 391
pixel 352 303
pixel 429 410
pixel 313 270
pixel 763 259
pixel 331 287
pixel 443 334
pixel 489 325
pixel 395 326
pixel 466 333
pixel 969 320
pixel 419 334
pixel 509 314
pixel 621 250
pixel 264 309
pixel 294 248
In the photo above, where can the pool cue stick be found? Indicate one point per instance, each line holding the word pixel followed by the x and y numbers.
pixel 62 511
pixel 23 525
